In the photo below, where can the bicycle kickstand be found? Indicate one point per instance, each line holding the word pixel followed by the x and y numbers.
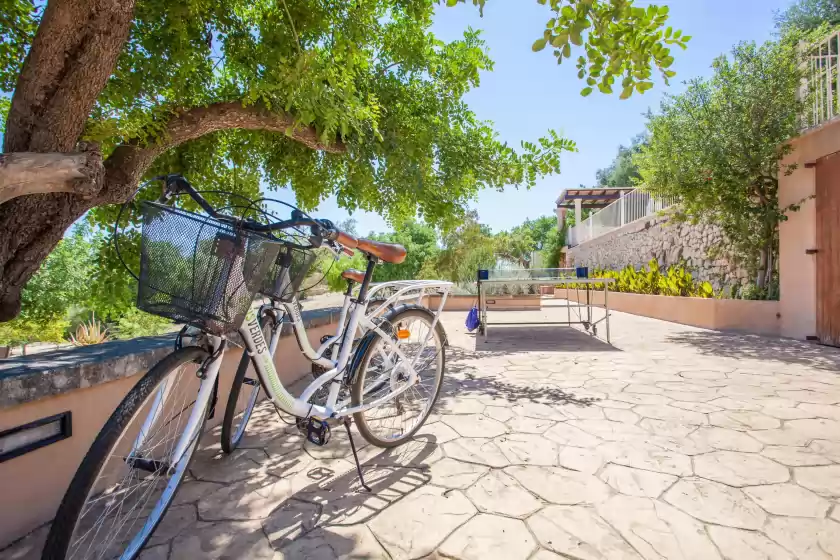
pixel 355 456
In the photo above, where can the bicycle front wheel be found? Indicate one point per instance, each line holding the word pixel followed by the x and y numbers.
pixel 126 483
pixel 381 374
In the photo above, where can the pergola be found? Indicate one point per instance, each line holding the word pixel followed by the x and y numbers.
pixel 592 198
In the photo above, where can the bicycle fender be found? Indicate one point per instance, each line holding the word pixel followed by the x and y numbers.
pixel 368 339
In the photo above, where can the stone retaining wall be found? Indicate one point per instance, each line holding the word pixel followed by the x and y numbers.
pixel 638 242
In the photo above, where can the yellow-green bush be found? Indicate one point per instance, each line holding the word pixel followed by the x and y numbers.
pixel 675 281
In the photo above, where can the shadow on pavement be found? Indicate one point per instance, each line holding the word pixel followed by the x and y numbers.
pixel 342 502
pixel 547 338
pixel 466 380
pixel 754 347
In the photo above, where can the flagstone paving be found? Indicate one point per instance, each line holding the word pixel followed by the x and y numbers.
pixel 673 443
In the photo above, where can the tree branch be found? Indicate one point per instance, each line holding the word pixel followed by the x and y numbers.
pixel 25 173
pixel 129 162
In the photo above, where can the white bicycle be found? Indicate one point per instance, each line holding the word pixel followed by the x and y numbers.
pixel 204 271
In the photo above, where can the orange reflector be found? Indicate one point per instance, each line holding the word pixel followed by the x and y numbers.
pixel 402 334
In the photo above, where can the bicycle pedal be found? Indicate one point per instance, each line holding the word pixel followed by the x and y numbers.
pixel 317 432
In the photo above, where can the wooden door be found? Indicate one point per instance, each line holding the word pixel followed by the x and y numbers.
pixel 828 249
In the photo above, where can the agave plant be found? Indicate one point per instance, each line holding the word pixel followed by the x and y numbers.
pixel 93 332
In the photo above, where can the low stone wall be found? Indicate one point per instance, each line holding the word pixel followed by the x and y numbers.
pixel 654 237
pixel 90 382
pixel 755 317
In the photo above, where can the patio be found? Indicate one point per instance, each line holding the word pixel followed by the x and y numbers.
pixel 674 443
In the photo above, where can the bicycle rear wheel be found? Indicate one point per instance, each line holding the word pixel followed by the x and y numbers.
pixel 381 372
pixel 244 394
pixel 117 498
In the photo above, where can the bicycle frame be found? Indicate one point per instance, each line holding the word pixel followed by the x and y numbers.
pixel 262 357
pixel 346 333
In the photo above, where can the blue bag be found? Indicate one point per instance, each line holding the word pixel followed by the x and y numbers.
pixel 473 321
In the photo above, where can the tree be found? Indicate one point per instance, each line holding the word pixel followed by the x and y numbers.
pixel 330 97
pixel 516 246
pixel 350 225
pixel 422 245
pixel 718 147
pixel 622 172
pixel 520 244
pixel 466 249
pixel 807 15
pixel 60 283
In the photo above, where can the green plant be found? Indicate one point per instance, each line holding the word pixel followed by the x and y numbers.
pixel 675 281
pixel 719 146
pixel 135 323
pixel 89 333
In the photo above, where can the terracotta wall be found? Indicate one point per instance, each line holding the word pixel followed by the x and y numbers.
pixel 757 317
pixel 797 270
pixel 33 484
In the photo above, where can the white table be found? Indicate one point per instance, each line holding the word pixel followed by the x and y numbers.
pixel 587 283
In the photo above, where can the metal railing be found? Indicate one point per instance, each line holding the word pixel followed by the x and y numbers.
pixel 823 80
pixel 633 206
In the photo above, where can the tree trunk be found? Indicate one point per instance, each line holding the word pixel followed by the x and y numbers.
pixel 69 63
pixel 760 276
pixel 71 58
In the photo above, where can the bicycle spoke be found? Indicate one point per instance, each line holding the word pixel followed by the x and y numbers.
pixel 123 494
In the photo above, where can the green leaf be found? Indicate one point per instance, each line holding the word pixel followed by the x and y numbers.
pixel 451 3
pixel 586 91
pixel 567 50
pixel 626 92
pixel 538 45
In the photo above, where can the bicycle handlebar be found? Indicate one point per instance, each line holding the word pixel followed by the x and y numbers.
pixel 176 184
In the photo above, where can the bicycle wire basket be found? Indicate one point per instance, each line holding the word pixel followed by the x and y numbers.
pixel 287 273
pixel 195 269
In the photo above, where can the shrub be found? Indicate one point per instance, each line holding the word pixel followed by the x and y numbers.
pixel 134 323
pixel 675 281
pixel 92 332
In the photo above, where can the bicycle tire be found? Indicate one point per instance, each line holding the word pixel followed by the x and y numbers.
pixel 368 348
pixel 231 438
pixel 67 516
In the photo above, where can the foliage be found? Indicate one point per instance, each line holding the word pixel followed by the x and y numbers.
pixel 371 76
pixel 135 323
pixel 332 269
pixel 553 248
pixel 466 249
pixel 18 22
pixel 620 40
pixel 807 15
pixel 60 283
pixel 72 282
pixel 753 292
pixel 23 330
pixel 675 281
pixel 89 333
pixel 622 172
pixel 571 220
pixel 350 225
pixel 421 243
pixel 4 110
pixel 718 147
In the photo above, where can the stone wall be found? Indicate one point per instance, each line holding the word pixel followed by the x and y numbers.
pixel 700 246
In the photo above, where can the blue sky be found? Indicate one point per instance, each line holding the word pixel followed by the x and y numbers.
pixel 527 92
